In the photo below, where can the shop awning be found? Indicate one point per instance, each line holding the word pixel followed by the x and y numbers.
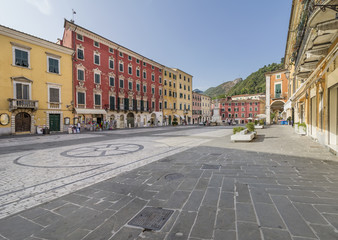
pixel 182 117
pixel 90 111
pixel 177 116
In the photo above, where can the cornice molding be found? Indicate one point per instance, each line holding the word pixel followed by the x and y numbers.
pixel 34 40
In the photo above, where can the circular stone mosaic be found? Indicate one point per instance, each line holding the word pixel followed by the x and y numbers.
pixel 102 150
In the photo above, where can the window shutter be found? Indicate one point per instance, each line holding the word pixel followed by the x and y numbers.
pixel 112 103
pixel 53 95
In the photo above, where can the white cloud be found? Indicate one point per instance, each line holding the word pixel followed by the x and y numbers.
pixel 42 5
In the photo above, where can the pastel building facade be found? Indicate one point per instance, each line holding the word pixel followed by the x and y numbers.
pixel 196 107
pixel 242 108
pixel 311 57
pixel 113 84
pixel 206 108
pixel 169 95
pixel 276 94
pixel 184 97
pixel 35 84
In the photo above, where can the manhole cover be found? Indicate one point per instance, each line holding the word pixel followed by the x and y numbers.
pixel 151 218
pixel 173 176
pixel 210 166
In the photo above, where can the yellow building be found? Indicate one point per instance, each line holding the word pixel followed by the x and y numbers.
pixel 35 83
pixel 184 97
pixel 311 57
pixel 169 95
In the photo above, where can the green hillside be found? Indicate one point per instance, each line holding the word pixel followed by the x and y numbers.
pixel 222 89
pixel 255 82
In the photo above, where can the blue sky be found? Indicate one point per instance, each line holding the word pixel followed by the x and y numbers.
pixel 214 40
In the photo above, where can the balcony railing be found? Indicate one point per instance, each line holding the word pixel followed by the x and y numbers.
pixel 279 96
pixel 22 103
pixel 54 105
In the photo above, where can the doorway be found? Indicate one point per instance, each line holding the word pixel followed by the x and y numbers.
pixel 54 122
pixel 130 120
pixel 22 122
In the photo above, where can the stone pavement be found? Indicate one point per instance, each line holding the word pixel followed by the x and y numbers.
pixel 281 186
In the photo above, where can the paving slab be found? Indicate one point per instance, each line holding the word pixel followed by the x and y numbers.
pixel 274 188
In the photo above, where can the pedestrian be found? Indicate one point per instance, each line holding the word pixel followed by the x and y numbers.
pixel 78 127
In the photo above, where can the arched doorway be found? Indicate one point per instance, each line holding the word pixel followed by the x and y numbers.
pixel 169 120
pixel 153 119
pixel 277 107
pixel 130 120
pixel 22 122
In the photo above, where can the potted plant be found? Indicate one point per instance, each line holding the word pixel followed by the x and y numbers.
pixel 301 128
pixel 175 123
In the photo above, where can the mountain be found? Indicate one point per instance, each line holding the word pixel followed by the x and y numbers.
pixel 222 89
pixel 197 91
pixel 255 82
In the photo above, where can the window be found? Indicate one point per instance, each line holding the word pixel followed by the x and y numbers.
pixel 112 103
pixel 242 103
pixel 137 61
pixel 160 92
pixel 144 88
pixel 170 75
pixel 22 91
pixel 250 114
pixel 278 76
pixel 223 115
pixel 152 90
pixel 256 103
pixel 21 57
pixel 188 88
pixel 152 67
pixel 169 83
pixel 97 100
pixel 229 115
pixel 160 79
pixel 111 63
pixel 184 87
pixel 111 50
pixel 180 106
pixel 121 83
pixel 144 64
pixel 278 90
pixel 188 79
pixel 165 105
pixel 169 93
pixel 251 104
pixel 130 70
pixel 174 105
pixel 121 67
pixel 121 54
pixel 153 105
pixel 138 87
pixel 165 82
pixel 174 85
pixel 153 77
pixel 243 115
pixel 236 115
pixel 137 72
pixel 80 54
pixel 97 78
pixel 180 85
pixel 129 58
pixel 96 44
pixel 53 65
pixel 243 109
pixel 79 37
pixel 81 98
pixel 256 109
pixel 96 59
pixel 112 81
pixel 184 78
pixel 130 85
pixel 80 74
pixel 236 104
pixel 229 104
pixel 165 73
pixel 160 106
pixel 54 95
pixel 165 92
pixel 144 74
pixel 250 109
pixel 180 76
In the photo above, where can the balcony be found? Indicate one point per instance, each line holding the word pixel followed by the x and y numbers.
pixel 279 96
pixel 22 104
pixel 54 105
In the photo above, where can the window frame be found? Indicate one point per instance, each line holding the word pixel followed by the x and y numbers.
pixel 24 50
pixel 54 58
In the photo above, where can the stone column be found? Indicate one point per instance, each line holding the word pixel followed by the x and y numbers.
pixel 267 99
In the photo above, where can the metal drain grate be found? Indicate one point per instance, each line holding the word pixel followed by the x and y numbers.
pixel 210 166
pixel 151 218
pixel 173 176
pixel 215 154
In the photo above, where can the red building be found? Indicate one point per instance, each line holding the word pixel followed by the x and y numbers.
pixel 196 107
pixel 112 84
pixel 242 108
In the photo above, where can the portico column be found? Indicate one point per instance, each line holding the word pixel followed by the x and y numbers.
pixel 267 99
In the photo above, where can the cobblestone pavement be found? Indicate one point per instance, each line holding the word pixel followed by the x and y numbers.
pixel 281 186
